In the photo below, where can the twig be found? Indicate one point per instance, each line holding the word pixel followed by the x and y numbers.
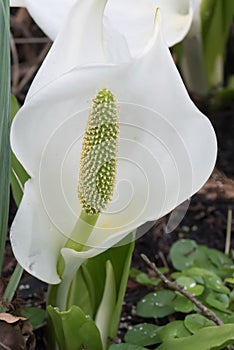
pixel 228 232
pixel 175 286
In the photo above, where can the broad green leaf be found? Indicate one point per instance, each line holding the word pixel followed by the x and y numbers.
pixel 216 19
pixel 190 285
pixel 195 322
pixel 185 254
pixel 183 304
pixel 182 254
pixel 157 304
pixel 4 123
pixel 224 316
pixel 219 259
pixel 126 347
pixel 197 278
pixel 80 294
pixel 217 337
pixel 143 334
pixel 207 277
pixel 186 282
pixel 88 286
pixel 35 315
pixel 74 330
pixel 218 301
pixel 174 330
pixel 213 282
pixel 18 175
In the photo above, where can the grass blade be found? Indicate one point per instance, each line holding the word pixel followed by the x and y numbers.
pixel 4 122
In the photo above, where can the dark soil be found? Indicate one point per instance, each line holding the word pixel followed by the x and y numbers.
pixel 205 220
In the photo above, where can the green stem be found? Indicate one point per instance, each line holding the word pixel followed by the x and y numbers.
pixel 79 236
pixel 12 286
pixel 83 228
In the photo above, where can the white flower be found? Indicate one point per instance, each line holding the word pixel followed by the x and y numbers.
pixel 134 19
pixel 167 147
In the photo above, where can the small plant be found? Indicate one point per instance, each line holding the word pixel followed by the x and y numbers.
pixel 201 294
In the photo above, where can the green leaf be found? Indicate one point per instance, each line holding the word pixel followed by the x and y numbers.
pixel 105 311
pixel 183 304
pixel 186 282
pixel 217 337
pixel 74 330
pixel 203 276
pixel 218 301
pixel 213 282
pixel 174 330
pixel 216 20
pixel 195 322
pixel 35 315
pixel 14 107
pixel 224 316
pixel 190 285
pixel 143 278
pixel 81 293
pixel 219 259
pixel 143 334
pixel 12 286
pixel 126 347
pixel 182 254
pixel 157 304
pixel 185 254
pixel 4 123
pixel 88 286
pixel 18 175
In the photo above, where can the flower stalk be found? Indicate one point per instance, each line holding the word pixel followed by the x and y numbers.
pixel 98 166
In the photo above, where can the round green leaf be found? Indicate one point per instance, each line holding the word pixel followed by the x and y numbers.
pixel 126 347
pixel 143 334
pixel 157 304
pixel 174 330
pixel 215 283
pixel 218 301
pixel 186 282
pixel 224 316
pixel 182 304
pixel 219 259
pixel 195 322
pixel 182 254
pixel 190 285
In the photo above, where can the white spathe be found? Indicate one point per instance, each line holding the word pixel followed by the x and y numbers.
pixel 132 18
pixel 167 147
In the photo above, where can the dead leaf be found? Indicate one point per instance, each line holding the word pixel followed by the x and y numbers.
pixel 8 318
